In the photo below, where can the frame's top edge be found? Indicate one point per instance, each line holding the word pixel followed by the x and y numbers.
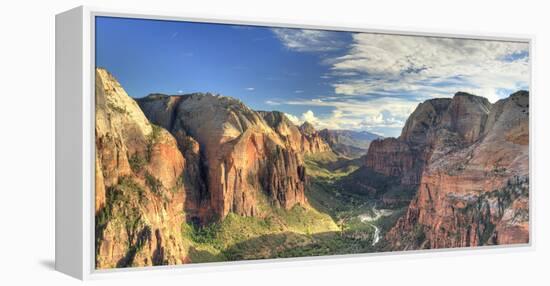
pixel 77 8
pixel 295 23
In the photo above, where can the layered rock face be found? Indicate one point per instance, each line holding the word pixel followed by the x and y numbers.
pixel 242 159
pixel 139 195
pixel 421 122
pixel 312 142
pixel 347 143
pixel 303 139
pixel 399 162
pixel 474 188
pixel 390 157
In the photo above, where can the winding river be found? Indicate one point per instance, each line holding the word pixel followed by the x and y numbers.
pixel 367 218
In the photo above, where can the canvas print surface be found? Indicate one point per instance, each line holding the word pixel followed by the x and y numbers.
pixel 219 142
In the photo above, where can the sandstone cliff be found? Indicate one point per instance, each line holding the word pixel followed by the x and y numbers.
pixel 474 186
pixel 390 157
pixel 312 142
pixel 303 139
pixel 403 159
pixel 139 195
pixel 245 163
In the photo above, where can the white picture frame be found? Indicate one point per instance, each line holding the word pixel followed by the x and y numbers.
pixel 74 169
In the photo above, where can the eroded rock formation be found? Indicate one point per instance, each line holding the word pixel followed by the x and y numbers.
pixel 303 139
pixel 139 195
pixel 243 158
pixel 474 188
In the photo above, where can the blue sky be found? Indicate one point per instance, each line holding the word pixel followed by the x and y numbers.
pixel 336 80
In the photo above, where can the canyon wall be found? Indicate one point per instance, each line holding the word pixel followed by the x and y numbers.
pixel 246 159
pixel 166 160
pixel 393 166
pixel 139 195
pixel 474 187
pixel 303 139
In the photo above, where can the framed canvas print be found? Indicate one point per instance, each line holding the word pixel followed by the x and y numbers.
pixel 189 142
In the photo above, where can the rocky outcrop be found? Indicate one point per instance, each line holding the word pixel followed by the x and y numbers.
pixel 436 127
pixel 303 139
pixel 348 143
pixel 312 142
pixel 390 157
pixel 289 133
pixel 240 157
pixel 474 188
pixel 424 118
pixel 393 166
pixel 139 194
pixel 401 160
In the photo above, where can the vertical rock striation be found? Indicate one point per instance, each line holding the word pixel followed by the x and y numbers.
pixel 139 195
pixel 400 161
pixel 303 139
pixel 474 188
pixel 246 159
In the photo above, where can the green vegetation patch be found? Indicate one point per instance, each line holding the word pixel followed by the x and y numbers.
pixel 328 165
pixel 122 212
pixel 137 162
pixel 116 108
pixel 154 184
pixel 241 237
pixel 152 139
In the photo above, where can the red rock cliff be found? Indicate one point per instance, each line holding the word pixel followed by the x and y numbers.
pixel 474 189
pixel 399 162
pixel 303 139
pixel 139 195
pixel 241 158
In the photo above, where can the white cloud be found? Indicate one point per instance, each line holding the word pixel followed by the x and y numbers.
pixel 294 119
pixel 310 117
pixel 388 113
pixel 431 66
pixel 379 79
pixel 250 88
pixel 308 40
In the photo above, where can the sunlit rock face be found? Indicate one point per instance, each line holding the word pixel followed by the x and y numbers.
pixel 139 195
pixel 304 139
pixel 400 161
pixel 474 187
pixel 241 159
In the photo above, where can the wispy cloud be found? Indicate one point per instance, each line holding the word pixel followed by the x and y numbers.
pixel 309 40
pixel 436 67
pixel 250 88
pixel 383 113
pixel 379 79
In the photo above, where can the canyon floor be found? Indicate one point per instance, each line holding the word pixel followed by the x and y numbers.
pixel 337 221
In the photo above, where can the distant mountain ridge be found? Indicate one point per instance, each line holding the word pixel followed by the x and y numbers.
pixel 349 143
